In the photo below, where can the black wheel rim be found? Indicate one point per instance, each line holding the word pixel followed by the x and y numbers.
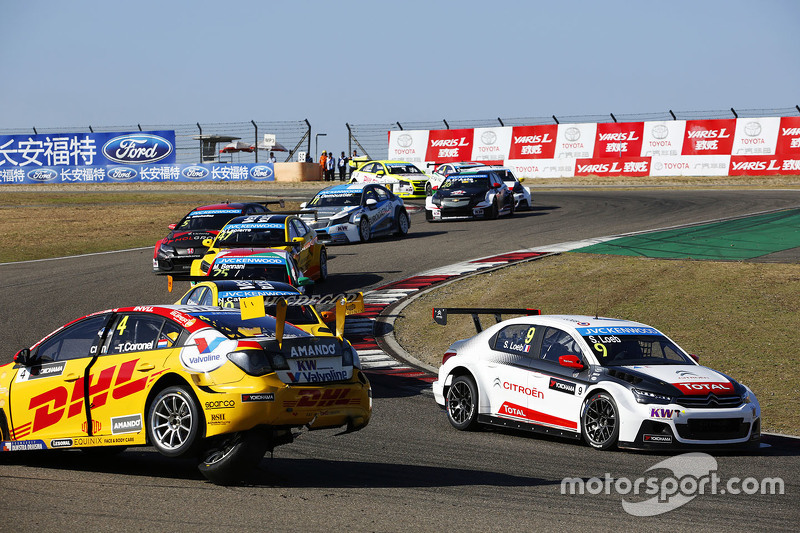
pixel 600 421
pixel 459 402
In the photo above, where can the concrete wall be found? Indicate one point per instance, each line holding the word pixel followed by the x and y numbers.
pixel 298 172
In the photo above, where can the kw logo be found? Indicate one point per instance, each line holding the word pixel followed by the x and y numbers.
pixel 306 365
pixel 207 347
pixel 51 406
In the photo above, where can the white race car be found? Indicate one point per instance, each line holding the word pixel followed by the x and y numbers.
pixel 356 213
pixel 522 194
pixel 611 382
pixel 441 171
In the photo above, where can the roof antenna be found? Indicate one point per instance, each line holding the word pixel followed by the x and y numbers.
pixel 596 303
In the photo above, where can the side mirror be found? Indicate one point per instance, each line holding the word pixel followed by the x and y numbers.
pixel 172 226
pixel 304 281
pixel 303 205
pixel 207 242
pixel 24 357
pixel 380 173
pixel 695 357
pixel 297 239
pixel 371 201
pixel 571 361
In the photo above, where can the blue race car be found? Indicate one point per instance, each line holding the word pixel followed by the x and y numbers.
pixel 356 213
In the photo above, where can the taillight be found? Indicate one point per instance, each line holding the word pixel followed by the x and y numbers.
pixel 446 356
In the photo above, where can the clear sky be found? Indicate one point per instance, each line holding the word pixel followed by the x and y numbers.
pixel 159 62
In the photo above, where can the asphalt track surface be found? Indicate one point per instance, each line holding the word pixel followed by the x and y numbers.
pixel 408 470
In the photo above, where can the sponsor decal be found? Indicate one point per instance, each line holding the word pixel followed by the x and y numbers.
pixel 206 350
pixel 622 139
pixel 518 411
pixel 23 445
pixel 137 148
pixel 533 142
pixel 700 389
pixel 709 137
pixel 662 413
pixel 322 398
pixel 96 427
pixel 183 319
pixel 195 173
pixel 45 370
pixel 639 166
pixel 562 386
pixel 446 146
pixel 258 397
pixel 121 173
pixel 313 350
pixel 620 330
pixel 318 377
pixel 527 391
pixel 660 439
pixel 126 424
pixel 219 404
pixel 261 172
pixel 42 174
pixel 61 443
pixel 103 441
pixel 218 419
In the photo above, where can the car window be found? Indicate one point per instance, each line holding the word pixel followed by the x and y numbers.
pixel 556 343
pixel 195 297
pixel 138 333
pixel 370 195
pixel 517 339
pixel 369 167
pixel 78 340
pixel 381 193
pixel 302 227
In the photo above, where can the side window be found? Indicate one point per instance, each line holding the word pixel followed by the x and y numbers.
pixel 369 168
pixel 556 343
pixel 136 333
pixel 382 194
pixel 196 296
pixel 78 340
pixel 370 195
pixel 301 227
pixel 516 339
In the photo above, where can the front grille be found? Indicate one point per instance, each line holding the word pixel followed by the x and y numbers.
pixel 713 429
pixel 712 401
pixel 465 211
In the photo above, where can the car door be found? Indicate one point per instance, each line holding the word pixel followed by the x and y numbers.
pixel 303 251
pixel 382 211
pixel 47 398
pixel 563 388
pixel 507 369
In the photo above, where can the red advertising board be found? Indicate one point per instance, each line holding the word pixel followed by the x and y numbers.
pixel 789 136
pixel 607 166
pixel 445 146
pixel 764 165
pixel 709 137
pixel 533 142
pixel 623 139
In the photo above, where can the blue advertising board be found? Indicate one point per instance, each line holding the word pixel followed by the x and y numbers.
pixel 86 149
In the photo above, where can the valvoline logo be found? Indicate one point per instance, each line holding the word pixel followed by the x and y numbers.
pixel 137 148
pixel 122 173
pixel 42 174
pixel 207 347
pixel 261 172
pixel 195 173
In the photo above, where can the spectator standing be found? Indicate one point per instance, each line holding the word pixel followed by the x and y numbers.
pixel 353 162
pixel 330 167
pixel 323 159
pixel 272 158
pixel 342 166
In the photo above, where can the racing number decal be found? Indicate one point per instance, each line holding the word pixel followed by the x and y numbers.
pixel 122 325
pixel 529 335
pixel 601 348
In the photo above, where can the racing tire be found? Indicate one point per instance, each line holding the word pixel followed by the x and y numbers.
pixel 323 266
pixel 428 215
pixel 494 212
pixel 461 404
pixel 363 229
pixel 428 189
pixel 173 422
pixel 229 461
pixel 512 208
pixel 402 223
pixel 600 421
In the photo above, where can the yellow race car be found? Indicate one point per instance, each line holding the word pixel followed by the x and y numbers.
pixel 401 177
pixel 223 385
pixel 274 231
pixel 300 312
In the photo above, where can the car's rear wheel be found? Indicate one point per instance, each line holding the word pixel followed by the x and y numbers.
pixel 428 189
pixel 364 229
pixel 462 403
pixel 233 456
pixel 402 223
pixel 494 212
pixel 173 422
pixel 600 421
pixel 512 207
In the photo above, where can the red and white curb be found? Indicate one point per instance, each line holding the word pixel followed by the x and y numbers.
pixel 360 329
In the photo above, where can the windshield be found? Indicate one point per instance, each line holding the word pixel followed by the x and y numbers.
pixel 403 169
pixel 341 199
pixel 469 185
pixel 260 234
pixel 628 350
pixel 232 326
pixel 295 314
pixel 207 219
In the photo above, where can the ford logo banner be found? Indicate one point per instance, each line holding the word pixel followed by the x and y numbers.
pixel 261 172
pixel 122 173
pixel 195 173
pixel 137 148
pixel 42 174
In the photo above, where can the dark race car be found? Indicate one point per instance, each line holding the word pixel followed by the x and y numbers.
pixel 475 193
pixel 184 243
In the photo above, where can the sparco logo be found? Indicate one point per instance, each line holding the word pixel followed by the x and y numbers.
pixel 194 173
pixel 261 172
pixel 220 404
pixel 562 386
pixel 122 173
pixel 137 148
pixel 405 140
pixel 42 174
pixel 126 424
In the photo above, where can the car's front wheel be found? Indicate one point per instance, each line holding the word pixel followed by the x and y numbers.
pixel 494 211
pixel 461 403
pixel 364 229
pixel 173 422
pixel 402 223
pixel 600 421
pixel 230 459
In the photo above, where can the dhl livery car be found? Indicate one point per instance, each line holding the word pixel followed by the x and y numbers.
pixel 611 382
pixel 190 381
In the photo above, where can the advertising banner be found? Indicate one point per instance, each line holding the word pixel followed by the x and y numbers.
pixel 448 146
pixel 533 142
pixel 755 136
pixel 138 173
pixel 541 168
pixel 788 142
pixel 623 139
pixel 575 141
pixel 764 165
pixel 709 137
pixel 491 144
pixel 620 166
pixel 692 165
pixel 663 138
pixel 408 146
pixel 77 149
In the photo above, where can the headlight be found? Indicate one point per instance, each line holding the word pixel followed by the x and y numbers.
pixel 643 396
pixel 436 201
pixel 205 266
pixel 349 356
pixel 340 219
pixel 166 249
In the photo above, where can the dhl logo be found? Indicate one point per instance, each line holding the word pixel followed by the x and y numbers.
pixel 51 406
pixel 324 398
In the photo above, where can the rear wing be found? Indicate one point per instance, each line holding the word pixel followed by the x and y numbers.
pixel 440 314
pixel 298 212
pixel 265 203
